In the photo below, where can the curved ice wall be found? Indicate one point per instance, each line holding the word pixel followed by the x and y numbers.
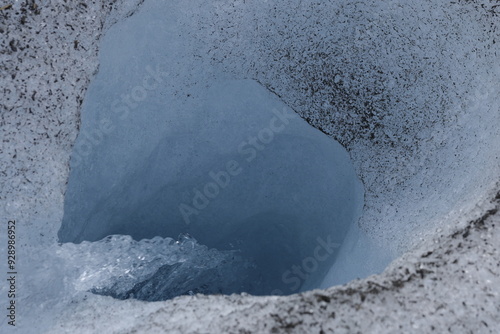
pixel 166 149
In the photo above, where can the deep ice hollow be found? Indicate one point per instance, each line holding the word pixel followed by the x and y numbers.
pixel 280 188
pixel 157 135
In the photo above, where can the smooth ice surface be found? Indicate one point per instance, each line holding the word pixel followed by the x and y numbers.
pixel 247 174
pixel 165 150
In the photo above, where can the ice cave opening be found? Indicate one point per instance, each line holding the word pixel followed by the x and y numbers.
pixel 238 194
pixel 188 179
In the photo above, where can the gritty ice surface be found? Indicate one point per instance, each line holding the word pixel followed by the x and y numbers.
pixel 409 88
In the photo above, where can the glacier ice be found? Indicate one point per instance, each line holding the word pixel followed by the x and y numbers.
pixel 167 150
pixel 155 269
pixel 253 178
pixel 441 163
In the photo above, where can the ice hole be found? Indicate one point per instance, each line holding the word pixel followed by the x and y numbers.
pixel 219 185
pixel 252 179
